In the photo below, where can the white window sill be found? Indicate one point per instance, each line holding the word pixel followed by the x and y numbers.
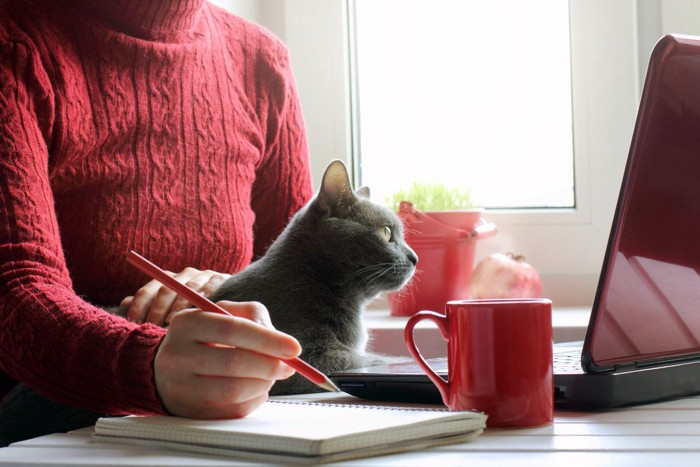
pixel 386 331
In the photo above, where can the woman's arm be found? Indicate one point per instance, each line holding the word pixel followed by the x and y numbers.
pixel 51 339
pixel 75 353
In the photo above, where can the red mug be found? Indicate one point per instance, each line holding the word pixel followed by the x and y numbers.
pixel 499 358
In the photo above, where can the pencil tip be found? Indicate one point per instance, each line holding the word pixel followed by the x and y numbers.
pixel 329 386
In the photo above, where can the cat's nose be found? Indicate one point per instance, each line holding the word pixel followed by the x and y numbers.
pixel 412 256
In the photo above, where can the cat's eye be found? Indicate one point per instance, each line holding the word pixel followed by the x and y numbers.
pixel 385 232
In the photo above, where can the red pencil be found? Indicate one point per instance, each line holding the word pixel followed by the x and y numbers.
pixel 203 303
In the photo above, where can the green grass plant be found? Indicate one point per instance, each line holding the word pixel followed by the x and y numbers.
pixel 432 196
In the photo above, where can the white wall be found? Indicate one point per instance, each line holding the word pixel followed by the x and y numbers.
pixel 249 9
pixel 659 17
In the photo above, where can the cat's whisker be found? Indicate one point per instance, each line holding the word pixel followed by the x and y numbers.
pixel 410 230
pixel 409 289
pixel 391 268
pixel 372 269
pixel 377 275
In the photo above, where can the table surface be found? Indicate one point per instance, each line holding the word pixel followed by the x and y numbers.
pixel 665 433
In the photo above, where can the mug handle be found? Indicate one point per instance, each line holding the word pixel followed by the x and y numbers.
pixel 442 324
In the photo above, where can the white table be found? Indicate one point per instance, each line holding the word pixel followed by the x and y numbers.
pixel 664 434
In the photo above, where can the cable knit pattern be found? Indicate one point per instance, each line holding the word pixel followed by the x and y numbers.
pixel 170 127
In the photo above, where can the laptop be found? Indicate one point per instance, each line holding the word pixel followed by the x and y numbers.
pixel 642 343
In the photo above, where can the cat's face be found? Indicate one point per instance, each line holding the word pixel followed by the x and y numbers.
pixel 362 242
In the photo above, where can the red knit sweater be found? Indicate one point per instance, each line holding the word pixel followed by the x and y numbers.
pixel 165 126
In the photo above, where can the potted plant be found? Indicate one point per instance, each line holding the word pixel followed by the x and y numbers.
pixel 442 225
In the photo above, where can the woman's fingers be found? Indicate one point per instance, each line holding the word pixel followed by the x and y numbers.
pixel 252 311
pixel 141 304
pixel 216 366
pixel 156 303
pixel 205 282
pixel 254 332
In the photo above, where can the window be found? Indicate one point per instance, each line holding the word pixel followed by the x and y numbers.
pixel 610 44
pixel 456 92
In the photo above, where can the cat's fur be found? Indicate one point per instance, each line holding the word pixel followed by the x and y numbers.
pixel 331 259
pixel 334 256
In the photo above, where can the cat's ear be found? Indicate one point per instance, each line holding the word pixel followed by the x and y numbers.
pixel 363 192
pixel 335 186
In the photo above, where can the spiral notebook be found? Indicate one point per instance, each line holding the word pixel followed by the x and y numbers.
pixel 298 431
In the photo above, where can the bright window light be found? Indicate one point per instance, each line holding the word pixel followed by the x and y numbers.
pixel 468 93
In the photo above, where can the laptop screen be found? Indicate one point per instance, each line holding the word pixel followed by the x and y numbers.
pixel 648 302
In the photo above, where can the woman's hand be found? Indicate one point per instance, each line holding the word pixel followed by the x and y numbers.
pixel 215 366
pixel 155 303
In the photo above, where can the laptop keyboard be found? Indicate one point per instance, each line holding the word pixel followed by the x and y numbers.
pixel 567 362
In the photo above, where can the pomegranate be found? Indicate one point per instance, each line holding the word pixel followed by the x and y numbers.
pixel 505 276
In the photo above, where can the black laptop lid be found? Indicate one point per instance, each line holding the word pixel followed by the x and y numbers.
pixel 647 307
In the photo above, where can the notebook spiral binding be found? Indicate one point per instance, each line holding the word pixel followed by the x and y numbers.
pixel 363 406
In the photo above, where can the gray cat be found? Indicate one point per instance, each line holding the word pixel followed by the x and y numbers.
pixel 336 254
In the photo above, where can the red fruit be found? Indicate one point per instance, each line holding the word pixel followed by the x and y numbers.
pixel 505 276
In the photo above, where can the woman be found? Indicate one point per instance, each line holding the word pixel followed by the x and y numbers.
pixel 168 127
